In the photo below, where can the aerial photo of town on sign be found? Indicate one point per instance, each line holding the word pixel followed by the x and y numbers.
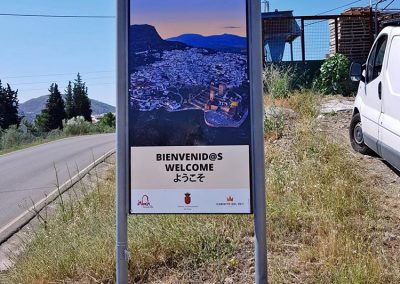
pixel 188 76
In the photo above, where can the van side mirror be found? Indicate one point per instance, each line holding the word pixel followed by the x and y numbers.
pixel 356 72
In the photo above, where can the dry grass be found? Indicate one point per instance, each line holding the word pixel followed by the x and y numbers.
pixel 320 209
pixel 269 100
pixel 79 242
pixel 320 215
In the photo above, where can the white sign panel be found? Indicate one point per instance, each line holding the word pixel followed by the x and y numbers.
pixel 194 179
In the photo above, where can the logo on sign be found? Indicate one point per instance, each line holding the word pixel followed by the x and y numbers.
pixel 230 202
pixel 145 202
pixel 188 199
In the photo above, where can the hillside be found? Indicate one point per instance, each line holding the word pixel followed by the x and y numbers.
pixel 143 38
pixel 31 108
pixel 218 42
pixel 146 37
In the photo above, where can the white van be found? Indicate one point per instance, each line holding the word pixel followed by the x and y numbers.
pixel 376 117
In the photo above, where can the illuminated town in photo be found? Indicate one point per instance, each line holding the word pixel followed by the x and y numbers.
pixel 193 79
pixel 190 82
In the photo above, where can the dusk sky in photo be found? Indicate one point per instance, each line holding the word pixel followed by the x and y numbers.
pixel 206 17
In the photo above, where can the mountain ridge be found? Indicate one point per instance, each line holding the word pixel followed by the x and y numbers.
pixel 33 107
pixel 218 42
pixel 146 37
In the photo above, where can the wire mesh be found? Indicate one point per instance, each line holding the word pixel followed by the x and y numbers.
pixel 317 38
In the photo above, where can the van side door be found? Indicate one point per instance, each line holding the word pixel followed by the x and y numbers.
pixel 370 115
pixel 390 119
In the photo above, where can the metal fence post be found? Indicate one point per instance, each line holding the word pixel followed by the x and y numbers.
pixel 336 36
pixel 303 42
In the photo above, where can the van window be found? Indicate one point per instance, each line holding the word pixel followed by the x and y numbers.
pixel 394 65
pixel 375 61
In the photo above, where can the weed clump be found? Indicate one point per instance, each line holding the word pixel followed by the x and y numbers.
pixel 305 103
pixel 274 123
pixel 278 81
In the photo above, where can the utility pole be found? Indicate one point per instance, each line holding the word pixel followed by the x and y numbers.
pixel 376 18
pixel 265 6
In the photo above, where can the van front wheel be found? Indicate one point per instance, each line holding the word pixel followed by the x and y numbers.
pixel 357 137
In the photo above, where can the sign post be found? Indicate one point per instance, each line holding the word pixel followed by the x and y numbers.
pixel 122 144
pixel 259 196
pixel 190 114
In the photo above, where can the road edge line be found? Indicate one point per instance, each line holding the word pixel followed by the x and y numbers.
pixel 29 215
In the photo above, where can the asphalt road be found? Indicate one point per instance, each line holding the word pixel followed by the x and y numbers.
pixel 28 175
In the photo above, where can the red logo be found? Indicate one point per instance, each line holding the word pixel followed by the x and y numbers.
pixel 188 199
pixel 229 199
pixel 145 202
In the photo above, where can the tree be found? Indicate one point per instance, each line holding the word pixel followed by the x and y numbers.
pixel 54 113
pixel 69 102
pixel 41 121
pixel 8 107
pixel 108 120
pixel 81 100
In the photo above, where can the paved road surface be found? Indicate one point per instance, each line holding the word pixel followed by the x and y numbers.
pixel 29 174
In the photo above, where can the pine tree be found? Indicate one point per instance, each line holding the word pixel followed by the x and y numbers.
pixel 55 105
pixel 8 107
pixel 69 102
pixel 81 100
pixel 54 113
pixel 41 121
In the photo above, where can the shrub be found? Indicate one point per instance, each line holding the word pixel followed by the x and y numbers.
pixel 108 120
pixel 106 124
pixel 278 81
pixel 55 134
pixel 77 126
pixel 13 137
pixel 334 78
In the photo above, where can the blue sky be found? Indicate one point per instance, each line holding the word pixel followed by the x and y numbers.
pixel 32 47
pixel 46 46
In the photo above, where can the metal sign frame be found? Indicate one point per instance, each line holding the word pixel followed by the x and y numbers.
pixel 257 148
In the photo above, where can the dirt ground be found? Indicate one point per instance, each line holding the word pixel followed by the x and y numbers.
pixel 384 178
